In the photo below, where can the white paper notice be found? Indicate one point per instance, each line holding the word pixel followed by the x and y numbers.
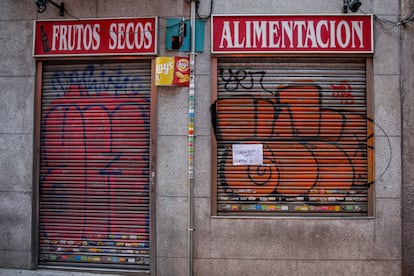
pixel 247 154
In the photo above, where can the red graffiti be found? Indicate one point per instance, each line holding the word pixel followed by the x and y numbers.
pixel 343 91
pixel 94 160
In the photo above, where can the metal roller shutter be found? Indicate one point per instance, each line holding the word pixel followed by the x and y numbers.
pixel 94 205
pixel 310 117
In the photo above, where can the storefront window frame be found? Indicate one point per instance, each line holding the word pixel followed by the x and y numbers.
pixel 370 158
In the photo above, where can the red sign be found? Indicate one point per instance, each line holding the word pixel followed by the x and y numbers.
pixel 292 34
pixel 181 71
pixel 124 36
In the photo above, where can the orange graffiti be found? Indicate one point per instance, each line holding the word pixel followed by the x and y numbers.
pixel 306 146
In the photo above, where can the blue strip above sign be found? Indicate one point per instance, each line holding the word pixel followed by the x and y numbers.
pixel 179 33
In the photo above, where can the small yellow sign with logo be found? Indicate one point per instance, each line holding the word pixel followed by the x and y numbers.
pixel 172 71
pixel 164 71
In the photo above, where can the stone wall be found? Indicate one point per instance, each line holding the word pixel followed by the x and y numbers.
pixel 297 246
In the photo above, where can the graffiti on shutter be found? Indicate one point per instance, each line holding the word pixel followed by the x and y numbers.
pixel 310 116
pixel 94 171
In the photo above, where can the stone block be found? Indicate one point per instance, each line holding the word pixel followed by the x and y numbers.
pixel 387 105
pixel 202 233
pixel 345 268
pixel 387 179
pixel 20 259
pixel 16 163
pixel 74 9
pixel 202 267
pixel 16 44
pixel 203 60
pixel 15 221
pixel 202 106
pixel 202 166
pixel 172 166
pixel 388 229
pixel 80 9
pixel 408 261
pixel 171 227
pixel 407 207
pixel 16 108
pixel 407 235
pixel 387 49
pixel 18 10
pixel 171 266
pixel 237 267
pixel 335 239
pixel 172 112
pixel 408 150
pixel 385 7
pixel 292 239
pixel 127 8
pixel 277 7
pixel 174 8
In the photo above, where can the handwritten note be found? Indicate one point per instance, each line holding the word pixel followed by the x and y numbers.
pixel 247 154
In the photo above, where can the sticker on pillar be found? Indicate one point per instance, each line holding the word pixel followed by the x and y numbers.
pixel 181 71
pixel 247 154
pixel 164 71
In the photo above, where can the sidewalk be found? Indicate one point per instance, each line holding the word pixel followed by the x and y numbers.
pixel 47 272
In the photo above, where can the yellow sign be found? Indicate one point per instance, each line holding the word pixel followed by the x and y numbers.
pixel 164 71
